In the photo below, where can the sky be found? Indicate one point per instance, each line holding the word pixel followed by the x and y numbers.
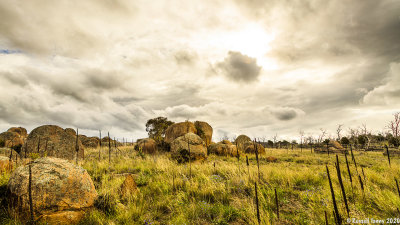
pixel 255 67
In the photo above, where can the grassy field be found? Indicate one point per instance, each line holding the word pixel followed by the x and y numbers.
pixel 171 193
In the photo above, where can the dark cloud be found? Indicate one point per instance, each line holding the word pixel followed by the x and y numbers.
pixel 387 93
pixel 286 114
pixel 104 80
pixel 240 68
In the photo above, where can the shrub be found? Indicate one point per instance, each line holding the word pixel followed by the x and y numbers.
pixel 394 141
pixel 107 203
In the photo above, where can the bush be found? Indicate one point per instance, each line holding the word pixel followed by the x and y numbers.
pixel 394 141
pixel 2 143
pixel 107 203
pixel 344 141
pixel 34 156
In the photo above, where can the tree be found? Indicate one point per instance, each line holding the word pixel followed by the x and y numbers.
pixel 394 141
pixel 301 139
pixel 394 125
pixel 321 136
pixel 344 141
pixel 353 135
pixel 285 143
pixel 379 137
pixel 366 135
pixel 275 138
pixel 338 131
pixel 156 128
pixel 362 140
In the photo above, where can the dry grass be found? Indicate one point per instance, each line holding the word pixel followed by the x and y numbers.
pixel 167 195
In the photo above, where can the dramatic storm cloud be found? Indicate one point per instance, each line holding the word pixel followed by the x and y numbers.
pixel 240 67
pixel 260 67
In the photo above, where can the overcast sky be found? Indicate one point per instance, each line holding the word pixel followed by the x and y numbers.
pixel 258 67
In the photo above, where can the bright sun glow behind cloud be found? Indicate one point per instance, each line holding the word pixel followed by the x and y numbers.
pixel 251 40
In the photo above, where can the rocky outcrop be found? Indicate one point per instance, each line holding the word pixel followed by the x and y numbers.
pixel 179 129
pixel 61 192
pixel 19 130
pixel 222 149
pixel 53 141
pixel 70 131
pixel 250 147
pixel 204 130
pixel 226 142
pixel 89 142
pixel 146 145
pixel 180 148
pixel 11 139
pixel 241 140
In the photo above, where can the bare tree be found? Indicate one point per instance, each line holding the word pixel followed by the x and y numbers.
pixel 321 136
pixel 394 125
pixel 366 133
pixel 301 132
pixel 353 134
pixel 275 138
pixel 263 141
pixel 338 131
pixel 310 140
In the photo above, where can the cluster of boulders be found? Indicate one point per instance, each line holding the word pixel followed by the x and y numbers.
pixel 246 145
pixel 89 142
pixel 146 145
pixel 189 141
pixel 106 141
pixel 50 189
pixel 13 137
pixel 223 148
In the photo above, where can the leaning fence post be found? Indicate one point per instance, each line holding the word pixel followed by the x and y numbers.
pixel 341 184
pixel 109 148
pixel 248 166
pixel 258 210
pixel 258 164
pixel 351 179
pixel 38 145
pixel 326 219
pixel 76 145
pixel 397 185
pixel 100 146
pixel 277 204
pixel 333 198
pixel 387 150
